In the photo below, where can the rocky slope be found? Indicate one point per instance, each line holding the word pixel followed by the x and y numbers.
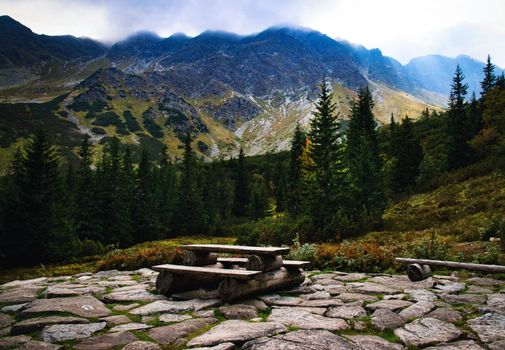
pixel 333 310
pixel 228 90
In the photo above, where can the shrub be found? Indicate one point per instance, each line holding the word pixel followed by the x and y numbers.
pixel 90 247
pixel 305 251
pixel 145 257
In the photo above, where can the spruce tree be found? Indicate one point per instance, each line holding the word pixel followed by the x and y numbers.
pixel 367 200
pixel 88 225
pixel 145 220
pixel 166 192
pixel 489 80
pixel 242 187
pixel 457 123
pixel 296 203
pixel 43 229
pixel 408 155
pixel 190 217
pixel 280 187
pixel 326 202
pixel 114 190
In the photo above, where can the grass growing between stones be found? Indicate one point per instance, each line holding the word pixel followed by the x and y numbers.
pixel 264 313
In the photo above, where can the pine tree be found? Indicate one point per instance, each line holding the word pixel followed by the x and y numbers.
pixel 408 155
pixel 166 192
pixel 328 167
pixel 145 220
pixel 474 117
pixel 367 200
pixel 489 80
pixel 259 198
pixel 43 229
pixel 88 226
pixel 190 217
pixel 296 187
pixel 114 189
pixel 242 187
pixel 457 123
pixel 280 187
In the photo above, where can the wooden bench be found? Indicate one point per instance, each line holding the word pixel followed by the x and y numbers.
pixel 290 264
pixel 200 271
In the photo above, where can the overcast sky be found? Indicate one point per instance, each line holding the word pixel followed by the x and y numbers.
pixel 402 29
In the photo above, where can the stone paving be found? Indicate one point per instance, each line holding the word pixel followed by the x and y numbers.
pixel 121 310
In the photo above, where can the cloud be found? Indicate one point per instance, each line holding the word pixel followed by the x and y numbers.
pixel 401 29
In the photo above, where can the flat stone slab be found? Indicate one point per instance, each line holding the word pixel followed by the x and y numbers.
pixel 451 287
pixel 402 282
pixel 125 307
pixel 459 345
pixel 483 281
pixel 174 317
pixel 373 342
pixel 489 327
pixel 6 320
pixel 346 312
pixel 84 306
pixel 165 306
pixel 392 305
pixel 19 294
pixel 372 288
pixel 129 327
pixel 348 297
pixel 417 310
pixel 427 331
pixel 69 290
pixel 386 319
pixel 351 277
pixel 116 319
pixel 142 345
pixel 445 314
pixel 106 341
pixel 319 295
pixel 277 300
pixel 464 298
pixel 132 295
pixel 239 311
pixel 12 309
pixel 321 303
pixel 18 283
pixel 302 340
pixel 222 346
pixel 237 331
pixel 421 295
pixel 306 320
pixel 174 334
pixel 9 342
pixel 61 332
pixel 38 323
pixel 39 345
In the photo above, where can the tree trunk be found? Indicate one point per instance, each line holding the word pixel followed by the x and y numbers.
pixel 454 265
pixel 168 282
pixel 230 289
pixel 417 272
pixel 192 258
pixel 263 263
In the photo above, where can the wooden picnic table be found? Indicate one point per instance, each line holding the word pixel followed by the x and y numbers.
pixel 258 269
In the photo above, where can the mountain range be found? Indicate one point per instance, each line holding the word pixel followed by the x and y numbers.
pixel 228 90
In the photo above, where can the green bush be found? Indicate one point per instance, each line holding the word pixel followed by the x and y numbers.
pixel 90 247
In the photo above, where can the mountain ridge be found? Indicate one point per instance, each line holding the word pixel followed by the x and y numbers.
pixel 229 90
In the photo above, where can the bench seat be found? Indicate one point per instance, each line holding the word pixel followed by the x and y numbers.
pixel 243 261
pixel 205 271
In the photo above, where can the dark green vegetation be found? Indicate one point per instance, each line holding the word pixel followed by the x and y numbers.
pixel 334 184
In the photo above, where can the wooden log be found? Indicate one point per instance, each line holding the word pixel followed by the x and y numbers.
pixel 417 272
pixel 169 282
pixel 263 263
pixel 454 265
pixel 231 289
pixel 192 258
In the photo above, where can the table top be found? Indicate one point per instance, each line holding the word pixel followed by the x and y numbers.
pixel 236 249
